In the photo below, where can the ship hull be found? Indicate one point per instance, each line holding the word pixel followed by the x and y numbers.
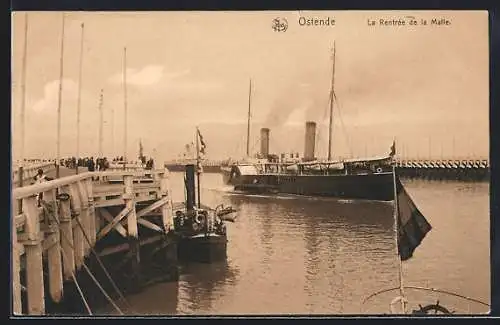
pixel 202 248
pixel 374 186
pixel 181 168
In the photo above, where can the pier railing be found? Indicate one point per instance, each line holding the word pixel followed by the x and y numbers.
pixel 29 171
pixel 59 220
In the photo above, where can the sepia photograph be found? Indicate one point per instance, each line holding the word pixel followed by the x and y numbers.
pixel 250 163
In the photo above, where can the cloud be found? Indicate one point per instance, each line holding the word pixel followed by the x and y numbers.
pixel 149 75
pixel 50 99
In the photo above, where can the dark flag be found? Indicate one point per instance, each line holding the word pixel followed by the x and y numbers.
pixel 203 145
pixel 393 149
pixel 411 223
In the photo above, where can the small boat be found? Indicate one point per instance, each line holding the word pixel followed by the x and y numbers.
pixel 201 231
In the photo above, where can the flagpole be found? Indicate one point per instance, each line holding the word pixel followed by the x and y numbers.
pixel 23 107
pixel 59 101
pixel 125 108
pixel 79 100
pixel 198 165
pixel 401 286
pixel 101 124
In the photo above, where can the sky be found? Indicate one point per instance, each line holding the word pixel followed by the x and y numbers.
pixel 424 86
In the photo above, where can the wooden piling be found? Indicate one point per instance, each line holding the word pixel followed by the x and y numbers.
pixel 91 212
pixel 34 266
pixel 54 254
pixel 166 209
pixel 16 267
pixel 84 215
pixel 66 228
pixel 78 238
pixel 132 231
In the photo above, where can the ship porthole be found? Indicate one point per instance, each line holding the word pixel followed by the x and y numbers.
pixel 379 170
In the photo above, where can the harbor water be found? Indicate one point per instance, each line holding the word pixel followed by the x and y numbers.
pixel 303 255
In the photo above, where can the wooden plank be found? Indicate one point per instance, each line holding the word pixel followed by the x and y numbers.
pixel 106 215
pixel 108 203
pixel 34 266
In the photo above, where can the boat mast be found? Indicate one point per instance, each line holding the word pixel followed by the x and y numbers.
pixel 248 118
pixel 332 95
pixel 79 100
pixel 59 102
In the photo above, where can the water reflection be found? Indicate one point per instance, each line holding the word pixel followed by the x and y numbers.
pixel 202 285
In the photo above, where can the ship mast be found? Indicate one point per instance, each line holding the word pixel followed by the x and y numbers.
pixel 248 119
pixel 332 95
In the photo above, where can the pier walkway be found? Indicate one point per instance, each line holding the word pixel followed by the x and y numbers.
pixel 56 235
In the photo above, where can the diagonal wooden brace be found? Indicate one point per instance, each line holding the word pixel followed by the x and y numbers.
pixel 112 224
pixel 106 215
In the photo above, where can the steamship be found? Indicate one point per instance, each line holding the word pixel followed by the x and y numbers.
pixel 361 178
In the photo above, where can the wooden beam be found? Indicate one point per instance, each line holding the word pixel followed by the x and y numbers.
pixel 113 223
pixel 152 207
pixel 106 215
pixel 125 246
pixel 150 225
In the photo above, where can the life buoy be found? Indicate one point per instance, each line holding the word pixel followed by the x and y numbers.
pixel 200 218
pixel 379 170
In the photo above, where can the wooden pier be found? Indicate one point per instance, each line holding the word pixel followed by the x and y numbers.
pixel 71 218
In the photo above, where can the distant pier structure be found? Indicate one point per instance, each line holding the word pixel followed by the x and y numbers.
pixel 445 169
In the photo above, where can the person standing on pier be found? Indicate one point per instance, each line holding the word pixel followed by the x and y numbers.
pixel 39 178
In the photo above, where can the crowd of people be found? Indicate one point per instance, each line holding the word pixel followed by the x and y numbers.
pixel 98 164
pixel 101 164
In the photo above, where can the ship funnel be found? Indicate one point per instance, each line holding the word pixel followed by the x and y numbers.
pixel 264 142
pixel 190 187
pixel 310 141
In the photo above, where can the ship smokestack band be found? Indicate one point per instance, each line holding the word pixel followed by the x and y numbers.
pixel 310 141
pixel 264 142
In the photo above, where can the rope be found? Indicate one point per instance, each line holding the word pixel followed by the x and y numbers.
pixel 113 283
pixel 78 288
pixel 85 266
pixel 73 273
pixel 427 289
